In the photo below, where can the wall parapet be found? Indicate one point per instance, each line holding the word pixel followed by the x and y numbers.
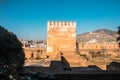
pixel 61 24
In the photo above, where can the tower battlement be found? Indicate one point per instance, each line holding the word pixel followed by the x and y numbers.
pixel 61 24
pixel 61 36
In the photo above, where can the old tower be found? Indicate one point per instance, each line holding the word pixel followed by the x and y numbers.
pixel 61 36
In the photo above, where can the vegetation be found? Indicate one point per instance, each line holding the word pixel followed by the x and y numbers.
pixel 118 39
pixel 11 55
pixel 37 76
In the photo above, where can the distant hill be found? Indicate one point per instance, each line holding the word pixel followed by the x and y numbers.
pixel 101 35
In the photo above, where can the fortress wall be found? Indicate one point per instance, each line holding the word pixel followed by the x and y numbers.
pixel 110 47
pixel 28 52
pixel 104 45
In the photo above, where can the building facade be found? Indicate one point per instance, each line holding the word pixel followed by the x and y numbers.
pixel 61 36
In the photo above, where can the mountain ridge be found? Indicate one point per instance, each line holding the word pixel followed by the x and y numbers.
pixel 100 35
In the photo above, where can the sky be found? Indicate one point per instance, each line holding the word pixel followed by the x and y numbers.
pixel 28 18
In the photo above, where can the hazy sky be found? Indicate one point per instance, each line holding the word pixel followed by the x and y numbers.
pixel 28 18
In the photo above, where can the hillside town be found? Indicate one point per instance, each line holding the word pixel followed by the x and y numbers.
pixel 33 44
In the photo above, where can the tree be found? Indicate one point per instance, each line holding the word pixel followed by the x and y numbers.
pixel 118 39
pixel 11 55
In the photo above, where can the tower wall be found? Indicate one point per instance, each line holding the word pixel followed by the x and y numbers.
pixel 61 36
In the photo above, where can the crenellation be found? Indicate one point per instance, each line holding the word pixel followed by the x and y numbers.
pixel 74 24
pixel 52 23
pixel 70 24
pixel 56 23
pixel 66 23
pixel 48 25
pixel 61 24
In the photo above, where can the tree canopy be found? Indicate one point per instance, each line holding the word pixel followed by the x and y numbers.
pixel 11 52
pixel 118 39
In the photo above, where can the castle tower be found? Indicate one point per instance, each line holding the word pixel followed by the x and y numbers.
pixel 61 36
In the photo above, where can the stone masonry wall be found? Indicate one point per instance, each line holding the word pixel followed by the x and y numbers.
pixel 61 36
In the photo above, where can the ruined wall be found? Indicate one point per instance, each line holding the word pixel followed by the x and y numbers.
pixel 109 47
pixel 36 54
pixel 61 36
pixel 98 46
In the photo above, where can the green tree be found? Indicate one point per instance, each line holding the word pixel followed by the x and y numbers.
pixel 118 39
pixel 11 55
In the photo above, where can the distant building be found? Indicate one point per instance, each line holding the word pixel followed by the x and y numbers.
pixel 33 44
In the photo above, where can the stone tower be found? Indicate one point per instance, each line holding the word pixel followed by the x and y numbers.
pixel 61 36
